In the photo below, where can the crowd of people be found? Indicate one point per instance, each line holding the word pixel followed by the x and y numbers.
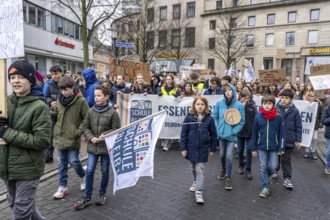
pixel 55 113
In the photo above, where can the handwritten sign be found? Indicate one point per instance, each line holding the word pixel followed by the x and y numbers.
pixel 11 29
pixel 320 70
pixel 274 76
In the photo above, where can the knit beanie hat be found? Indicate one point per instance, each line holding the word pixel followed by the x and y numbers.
pixel 23 68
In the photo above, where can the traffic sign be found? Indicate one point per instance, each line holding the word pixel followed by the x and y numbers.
pixel 122 44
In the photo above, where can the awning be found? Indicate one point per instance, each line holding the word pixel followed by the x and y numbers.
pixel 169 65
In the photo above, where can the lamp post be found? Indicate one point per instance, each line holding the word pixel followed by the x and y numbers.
pixel 114 38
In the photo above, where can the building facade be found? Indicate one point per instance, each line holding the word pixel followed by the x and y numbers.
pixel 52 35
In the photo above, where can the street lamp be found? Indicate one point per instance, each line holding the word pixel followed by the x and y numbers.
pixel 114 33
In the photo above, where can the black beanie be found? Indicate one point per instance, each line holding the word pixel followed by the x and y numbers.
pixel 24 68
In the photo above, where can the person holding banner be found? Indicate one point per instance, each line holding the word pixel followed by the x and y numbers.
pixel 118 88
pixel 139 86
pixel 215 87
pixel 198 142
pixel 229 117
pixel 168 88
pixel 187 90
pixel 100 119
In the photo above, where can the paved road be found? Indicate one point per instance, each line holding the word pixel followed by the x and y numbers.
pixel 167 195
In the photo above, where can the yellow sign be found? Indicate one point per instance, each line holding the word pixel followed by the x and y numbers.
pixel 170 55
pixel 319 50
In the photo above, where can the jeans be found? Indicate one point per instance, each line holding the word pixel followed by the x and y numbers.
pixel 198 174
pixel 327 154
pixel 71 157
pixel 268 161
pixel 227 155
pixel 91 166
pixel 242 143
pixel 21 196
pixel 285 162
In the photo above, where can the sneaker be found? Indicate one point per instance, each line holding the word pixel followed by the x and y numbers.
pixel 82 183
pixel 240 170
pixel 327 170
pixel 222 174
pixel 61 192
pixel 82 203
pixel 199 198
pixel 165 149
pixel 228 185
pixel 193 187
pixel 306 155
pixel 314 156
pixel 248 175
pixel 287 183
pixel 100 199
pixel 274 176
pixel 264 193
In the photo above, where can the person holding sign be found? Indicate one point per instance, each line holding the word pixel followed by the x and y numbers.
pixel 198 127
pixel 27 133
pixel 229 117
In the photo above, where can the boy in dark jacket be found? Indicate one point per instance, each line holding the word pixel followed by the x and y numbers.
pixel 215 87
pixel 293 131
pixel 27 133
pixel 244 136
pixel 267 125
pixel 326 123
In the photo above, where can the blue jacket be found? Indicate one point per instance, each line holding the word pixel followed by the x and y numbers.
pixel 209 91
pixel 91 82
pixel 197 138
pixel 292 123
pixel 114 89
pixel 268 135
pixel 44 90
pixel 226 131
pixel 326 121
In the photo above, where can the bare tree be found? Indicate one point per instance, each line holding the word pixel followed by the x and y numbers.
pixel 231 43
pixel 96 11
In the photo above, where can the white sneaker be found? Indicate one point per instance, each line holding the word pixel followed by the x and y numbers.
pixel 199 198
pixel 193 187
pixel 165 149
pixel 83 183
pixel 61 192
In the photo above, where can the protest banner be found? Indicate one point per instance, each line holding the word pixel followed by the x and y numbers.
pixel 129 69
pixel 135 107
pixel 273 76
pixel 320 82
pixel 320 70
pixel 132 148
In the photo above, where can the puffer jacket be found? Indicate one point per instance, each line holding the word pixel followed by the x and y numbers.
pixel 251 111
pixel 69 126
pixel 113 92
pixel 28 136
pixel 97 123
pixel 198 138
pixel 52 92
pixel 226 131
pixel 91 82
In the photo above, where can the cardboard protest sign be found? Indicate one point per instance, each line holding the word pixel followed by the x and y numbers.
pixel 273 76
pixel 320 70
pixel 130 68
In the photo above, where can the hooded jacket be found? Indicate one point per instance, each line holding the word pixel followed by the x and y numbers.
pixel 250 113
pixel 91 82
pixel 226 131
pixel 27 136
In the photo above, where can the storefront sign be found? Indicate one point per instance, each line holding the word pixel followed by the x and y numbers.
pixel 64 44
pixel 275 76
pixel 323 50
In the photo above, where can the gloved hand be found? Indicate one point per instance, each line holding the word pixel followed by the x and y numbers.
pixel 160 94
pixel 3 121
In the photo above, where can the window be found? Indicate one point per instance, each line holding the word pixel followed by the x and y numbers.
pixel 151 40
pixel 232 41
pixel 254 2
pixel 77 32
pixel 269 39
pixel 176 11
pixel 218 5
pixel 290 38
pixel 176 38
pixel 41 18
pixel 32 14
pixel 236 3
pixel 211 43
pixel 130 26
pixel 162 39
pixel 250 41
pixel 190 37
pixel 252 21
pixel 150 15
pixel 213 24
pixel 315 14
pixel 210 64
pixel 163 13
pixel 25 11
pixel 59 25
pixel 312 37
pixel 233 23
pixel 71 29
pixel 271 19
pixel 66 27
pixel 268 63
pixel 191 9
pixel 292 16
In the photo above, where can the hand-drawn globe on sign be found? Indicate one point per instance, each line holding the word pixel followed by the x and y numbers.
pixel 232 116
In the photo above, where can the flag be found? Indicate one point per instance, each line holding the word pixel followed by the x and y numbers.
pixel 249 73
pixel 231 71
pixel 131 150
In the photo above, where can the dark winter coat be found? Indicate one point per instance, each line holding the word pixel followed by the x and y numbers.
pixel 97 123
pixel 28 136
pixel 251 112
pixel 268 135
pixel 52 92
pixel 145 89
pixel 209 91
pixel 326 121
pixel 113 92
pixel 292 123
pixel 198 138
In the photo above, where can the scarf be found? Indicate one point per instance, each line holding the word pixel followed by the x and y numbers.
pixel 65 101
pixel 101 108
pixel 269 115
